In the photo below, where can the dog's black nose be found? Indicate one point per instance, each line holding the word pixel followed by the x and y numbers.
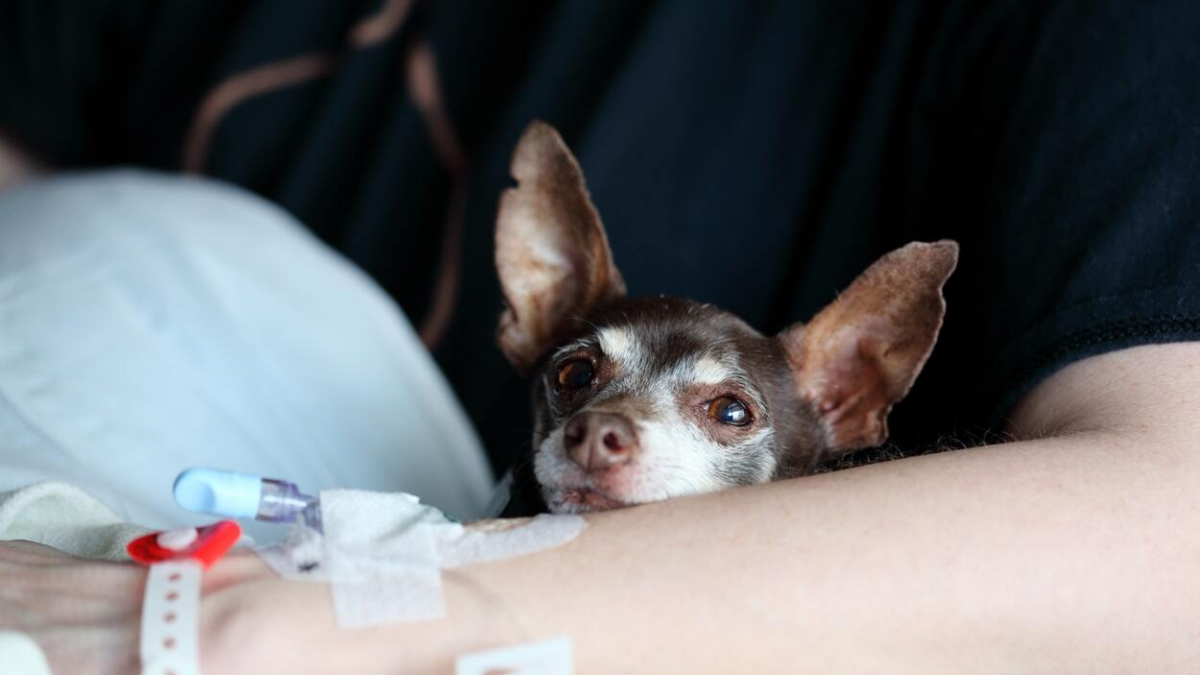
pixel 596 440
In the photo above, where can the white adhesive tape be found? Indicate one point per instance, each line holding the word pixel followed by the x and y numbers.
pixel 300 556
pixel 471 547
pixel 383 558
pixel 548 657
pixel 383 553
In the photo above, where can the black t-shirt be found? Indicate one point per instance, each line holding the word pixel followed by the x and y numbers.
pixel 756 155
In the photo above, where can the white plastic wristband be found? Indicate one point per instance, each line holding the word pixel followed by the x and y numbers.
pixel 169 644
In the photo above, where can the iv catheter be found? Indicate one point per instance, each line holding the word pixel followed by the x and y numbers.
pixel 236 495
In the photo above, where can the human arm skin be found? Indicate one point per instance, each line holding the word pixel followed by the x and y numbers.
pixel 1075 551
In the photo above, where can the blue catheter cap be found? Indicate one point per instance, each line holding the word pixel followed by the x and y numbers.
pixel 222 493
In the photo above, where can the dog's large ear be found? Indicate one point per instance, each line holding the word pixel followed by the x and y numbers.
pixel 551 251
pixel 862 353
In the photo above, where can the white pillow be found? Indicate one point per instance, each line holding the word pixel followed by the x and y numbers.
pixel 150 323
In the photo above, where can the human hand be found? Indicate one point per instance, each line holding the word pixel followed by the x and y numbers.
pixel 84 614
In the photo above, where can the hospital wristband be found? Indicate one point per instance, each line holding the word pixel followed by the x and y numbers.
pixel 170 611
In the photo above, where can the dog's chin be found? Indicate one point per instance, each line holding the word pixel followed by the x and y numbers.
pixel 581 500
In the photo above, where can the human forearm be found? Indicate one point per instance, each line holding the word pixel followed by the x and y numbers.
pixel 1018 558
pixel 1072 554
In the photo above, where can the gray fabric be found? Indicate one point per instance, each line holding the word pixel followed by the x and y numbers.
pixel 67 518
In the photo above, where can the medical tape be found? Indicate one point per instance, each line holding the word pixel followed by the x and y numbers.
pixel 547 657
pixel 300 556
pixel 383 554
pixel 502 539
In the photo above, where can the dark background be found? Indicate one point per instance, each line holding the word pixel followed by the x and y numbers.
pixel 756 155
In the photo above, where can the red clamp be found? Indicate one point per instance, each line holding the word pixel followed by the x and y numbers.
pixel 205 544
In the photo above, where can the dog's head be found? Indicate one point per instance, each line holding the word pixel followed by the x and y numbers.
pixel 643 399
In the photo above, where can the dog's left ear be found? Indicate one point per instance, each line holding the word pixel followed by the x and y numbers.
pixel 551 251
pixel 862 353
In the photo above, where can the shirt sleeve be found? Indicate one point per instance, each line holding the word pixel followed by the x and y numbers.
pixel 1084 150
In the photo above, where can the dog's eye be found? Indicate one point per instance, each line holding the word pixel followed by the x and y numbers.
pixel 729 410
pixel 576 374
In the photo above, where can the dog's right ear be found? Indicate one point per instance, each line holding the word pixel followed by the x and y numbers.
pixel 551 251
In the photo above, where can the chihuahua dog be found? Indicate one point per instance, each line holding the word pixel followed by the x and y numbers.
pixel 643 399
